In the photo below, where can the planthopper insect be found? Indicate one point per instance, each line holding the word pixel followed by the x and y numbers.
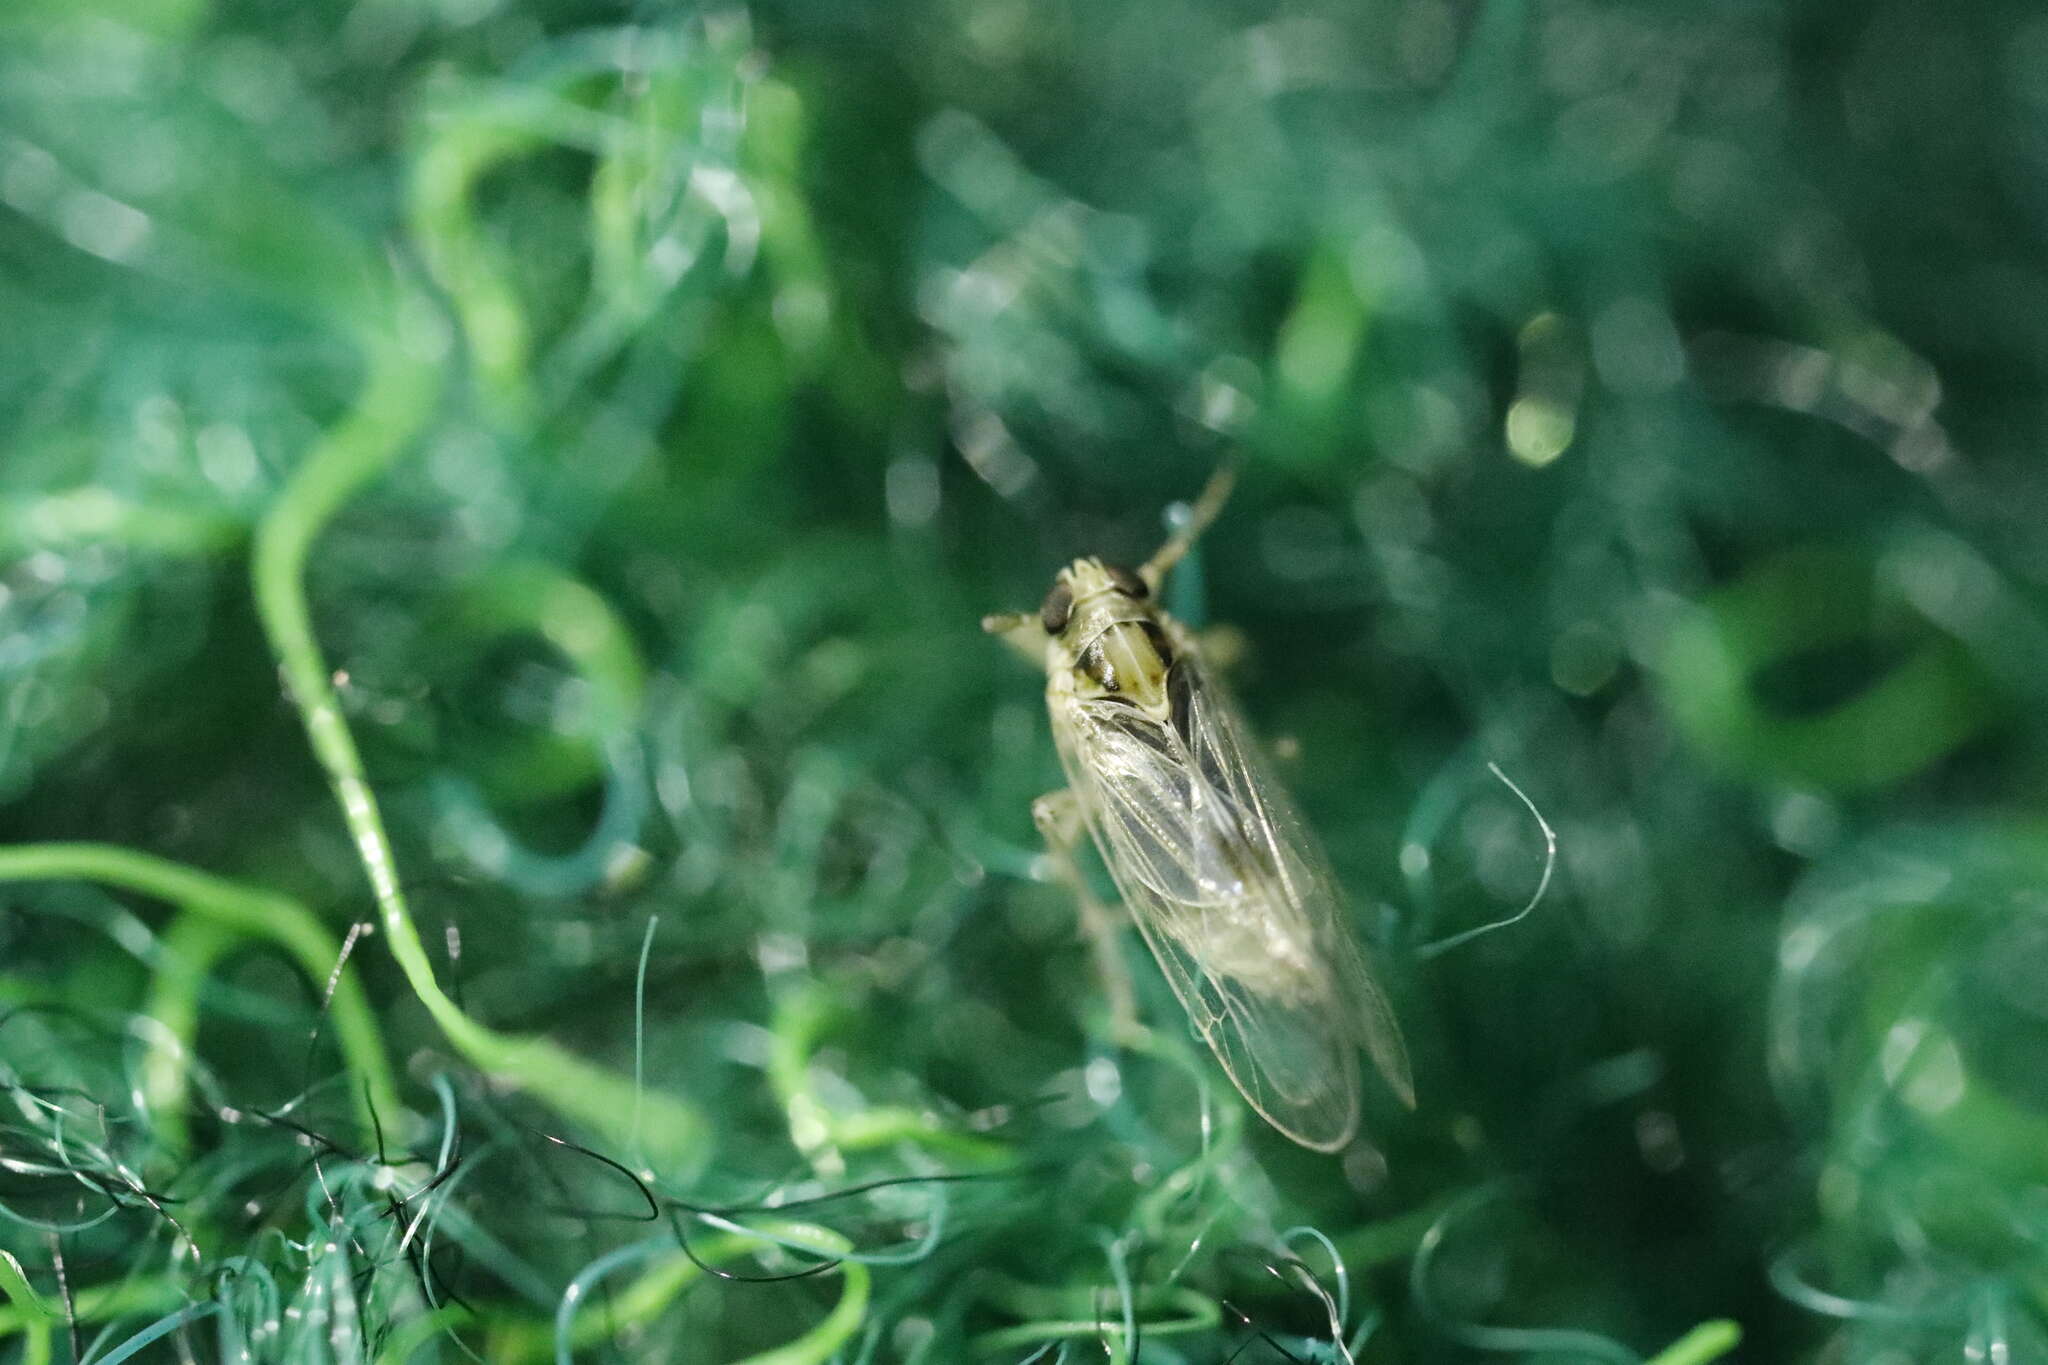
pixel 1227 885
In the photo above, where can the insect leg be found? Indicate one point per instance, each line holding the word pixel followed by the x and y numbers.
pixel 1223 647
pixel 1021 631
pixel 1058 817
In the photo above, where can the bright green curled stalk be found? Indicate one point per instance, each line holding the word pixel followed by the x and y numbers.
pixel 216 914
pixel 657 1289
pixel 398 395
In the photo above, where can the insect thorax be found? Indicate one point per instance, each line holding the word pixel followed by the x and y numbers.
pixel 1108 636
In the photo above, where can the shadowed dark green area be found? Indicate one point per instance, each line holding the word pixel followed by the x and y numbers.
pixel 501 495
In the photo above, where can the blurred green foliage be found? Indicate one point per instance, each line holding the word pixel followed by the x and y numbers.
pixel 497 495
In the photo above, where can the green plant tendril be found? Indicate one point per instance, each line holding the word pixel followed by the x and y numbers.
pixel 533 598
pixel 95 515
pixel 512 1343
pixel 397 395
pixel 536 599
pixel 37 1319
pixel 1925 707
pixel 819 1131
pixel 192 947
pixel 1486 1337
pixel 94 1303
pixel 216 913
pixel 1709 1341
pixel 459 151
pixel 1194 1313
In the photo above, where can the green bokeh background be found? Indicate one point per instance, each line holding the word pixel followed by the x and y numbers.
pixel 503 492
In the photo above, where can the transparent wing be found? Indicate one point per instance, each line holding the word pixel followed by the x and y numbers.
pixel 1235 902
pixel 1225 755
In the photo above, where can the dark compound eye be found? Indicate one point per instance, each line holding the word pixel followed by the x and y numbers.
pixel 1127 583
pixel 1059 605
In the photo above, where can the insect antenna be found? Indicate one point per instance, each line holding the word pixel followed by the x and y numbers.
pixel 1214 494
